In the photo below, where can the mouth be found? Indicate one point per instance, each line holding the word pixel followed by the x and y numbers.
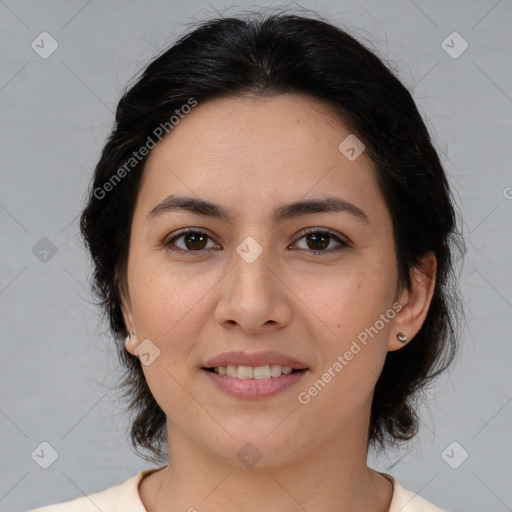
pixel 262 372
pixel 252 376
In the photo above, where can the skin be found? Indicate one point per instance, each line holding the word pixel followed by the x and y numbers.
pixel 251 155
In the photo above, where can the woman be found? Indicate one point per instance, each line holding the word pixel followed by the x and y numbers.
pixel 272 231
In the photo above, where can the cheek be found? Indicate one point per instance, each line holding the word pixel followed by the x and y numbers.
pixel 165 307
pixel 348 301
pixel 354 348
pixel 352 335
pixel 163 297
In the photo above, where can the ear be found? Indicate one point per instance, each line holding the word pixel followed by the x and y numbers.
pixel 415 302
pixel 126 308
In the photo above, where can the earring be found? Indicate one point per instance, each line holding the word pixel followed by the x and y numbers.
pixel 402 338
pixel 129 340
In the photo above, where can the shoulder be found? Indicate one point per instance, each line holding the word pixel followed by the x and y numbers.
pixel 123 497
pixel 407 501
pixel 109 500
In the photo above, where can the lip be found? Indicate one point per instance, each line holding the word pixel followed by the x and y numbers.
pixel 254 359
pixel 253 388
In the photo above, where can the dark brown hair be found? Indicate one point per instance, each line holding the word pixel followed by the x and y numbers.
pixel 262 54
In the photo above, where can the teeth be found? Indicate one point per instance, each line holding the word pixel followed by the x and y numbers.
pixel 245 372
pixel 262 372
pixel 250 372
pixel 275 370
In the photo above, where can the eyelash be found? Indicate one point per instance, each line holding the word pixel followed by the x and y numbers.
pixel 309 231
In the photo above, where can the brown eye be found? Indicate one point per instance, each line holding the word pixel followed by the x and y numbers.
pixel 192 241
pixel 319 241
pixel 195 241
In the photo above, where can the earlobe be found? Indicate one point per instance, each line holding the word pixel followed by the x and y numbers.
pixel 131 340
pixel 415 303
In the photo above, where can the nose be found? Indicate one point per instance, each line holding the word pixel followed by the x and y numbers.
pixel 254 297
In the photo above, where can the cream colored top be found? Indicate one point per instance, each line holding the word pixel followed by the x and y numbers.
pixel 125 498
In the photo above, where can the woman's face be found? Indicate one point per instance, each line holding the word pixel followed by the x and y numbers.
pixel 249 280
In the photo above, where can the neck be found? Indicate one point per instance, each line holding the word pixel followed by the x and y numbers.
pixel 334 477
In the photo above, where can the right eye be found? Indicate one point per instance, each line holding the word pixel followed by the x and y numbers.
pixel 194 240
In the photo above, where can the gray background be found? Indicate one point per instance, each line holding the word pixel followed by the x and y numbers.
pixel 58 365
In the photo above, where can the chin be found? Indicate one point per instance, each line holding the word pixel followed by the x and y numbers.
pixel 260 445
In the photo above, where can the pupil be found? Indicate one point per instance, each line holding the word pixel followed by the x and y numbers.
pixel 319 245
pixel 195 239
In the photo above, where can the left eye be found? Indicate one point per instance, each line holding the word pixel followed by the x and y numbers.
pixel 319 241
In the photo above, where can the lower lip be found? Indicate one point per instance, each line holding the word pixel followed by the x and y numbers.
pixel 254 388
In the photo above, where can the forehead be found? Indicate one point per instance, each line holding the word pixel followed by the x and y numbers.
pixel 276 129
pixel 258 150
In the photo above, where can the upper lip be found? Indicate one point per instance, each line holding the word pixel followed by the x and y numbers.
pixel 269 357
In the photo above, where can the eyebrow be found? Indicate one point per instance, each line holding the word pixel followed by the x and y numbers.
pixel 283 212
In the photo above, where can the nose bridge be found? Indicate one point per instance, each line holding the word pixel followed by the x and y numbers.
pixel 252 270
pixel 252 295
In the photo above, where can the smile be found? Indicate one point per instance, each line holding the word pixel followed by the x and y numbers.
pixel 262 372
pixel 248 386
